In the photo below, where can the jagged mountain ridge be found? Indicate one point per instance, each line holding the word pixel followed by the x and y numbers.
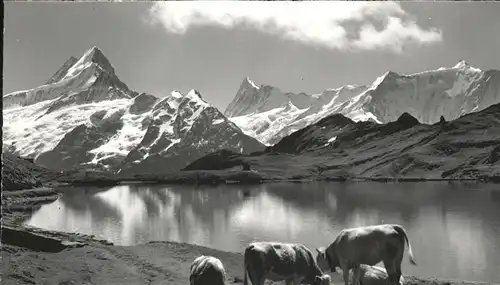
pixel 336 146
pixel 251 98
pixel 268 114
pixel 448 92
pixel 89 79
pixel 62 71
pixel 85 117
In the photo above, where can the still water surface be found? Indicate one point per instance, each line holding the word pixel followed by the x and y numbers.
pixel 454 229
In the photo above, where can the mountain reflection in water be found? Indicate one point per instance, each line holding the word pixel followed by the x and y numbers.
pixel 453 229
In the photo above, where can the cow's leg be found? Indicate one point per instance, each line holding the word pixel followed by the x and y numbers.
pixel 392 261
pixel 259 280
pixel 356 272
pixel 256 275
pixel 391 271
pixel 344 264
pixel 397 276
pixel 397 266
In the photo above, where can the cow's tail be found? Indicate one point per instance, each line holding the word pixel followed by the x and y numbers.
pixel 402 232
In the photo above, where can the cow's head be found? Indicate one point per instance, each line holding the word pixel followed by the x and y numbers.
pixel 325 263
pixel 325 279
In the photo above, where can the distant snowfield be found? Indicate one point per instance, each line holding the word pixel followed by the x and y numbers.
pixel 33 133
pixel 124 140
pixel 267 124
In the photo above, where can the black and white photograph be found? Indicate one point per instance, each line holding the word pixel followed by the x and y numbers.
pixel 251 142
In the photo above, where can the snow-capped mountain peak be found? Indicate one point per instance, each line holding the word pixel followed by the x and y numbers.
pixel 252 98
pixel 195 95
pixel 92 56
pixel 449 92
pixel 248 82
pixel 176 94
pixel 462 64
pixel 386 77
pixel 245 98
pixel 89 79
pixel 466 67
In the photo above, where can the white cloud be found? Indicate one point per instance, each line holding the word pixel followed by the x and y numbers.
pixel 395 33
pixel 316 22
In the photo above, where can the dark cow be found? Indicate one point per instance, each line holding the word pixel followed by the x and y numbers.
pixel 207 270
pixel 367 245
pixel 293 263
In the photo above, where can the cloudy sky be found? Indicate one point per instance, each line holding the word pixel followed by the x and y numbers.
pixel 212 46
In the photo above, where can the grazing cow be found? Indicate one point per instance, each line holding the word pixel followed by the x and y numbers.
pixel 207 270
pixel 366 245
pixel 373 275
pixel 277 261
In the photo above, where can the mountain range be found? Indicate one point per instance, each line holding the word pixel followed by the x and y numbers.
pixel 268 114
pixel 85 117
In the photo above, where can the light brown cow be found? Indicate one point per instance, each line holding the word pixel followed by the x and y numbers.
pixel 366 245
pixel 293 263
pixel 207 270
pixel 373 275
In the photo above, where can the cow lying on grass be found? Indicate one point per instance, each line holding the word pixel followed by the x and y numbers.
pixel 366 245
pixel 293 263
pixel 207 270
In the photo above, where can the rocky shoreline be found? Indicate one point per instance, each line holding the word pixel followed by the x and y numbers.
pixel 216 177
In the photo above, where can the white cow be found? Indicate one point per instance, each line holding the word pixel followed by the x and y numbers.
pixel 293 263
pixel 207 270
pixel 366 245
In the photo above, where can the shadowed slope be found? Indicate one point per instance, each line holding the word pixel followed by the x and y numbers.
pixel 468 147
